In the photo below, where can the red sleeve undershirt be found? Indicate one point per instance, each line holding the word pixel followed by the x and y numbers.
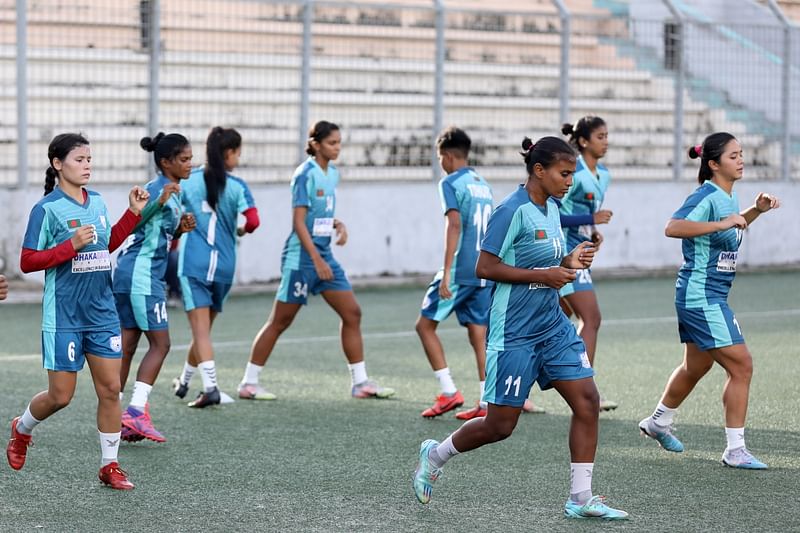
pixel 251 219
pixel 35 260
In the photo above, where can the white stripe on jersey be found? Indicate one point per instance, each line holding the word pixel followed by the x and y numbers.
pixel 212 265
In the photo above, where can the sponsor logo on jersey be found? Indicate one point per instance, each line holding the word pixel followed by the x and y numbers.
pixel 91 262
pixel 726 262
pixel 74 223
pixel 539 234
pixel 534 286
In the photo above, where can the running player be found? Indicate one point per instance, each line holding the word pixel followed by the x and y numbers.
pixel 530 339
pixel 207 258
pixel 466 200
pixel 710 225
pixel 580 213
pixel 139 289
pixel 308 266
pixel 70 237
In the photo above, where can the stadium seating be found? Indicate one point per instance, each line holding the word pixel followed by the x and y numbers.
pixel 237 63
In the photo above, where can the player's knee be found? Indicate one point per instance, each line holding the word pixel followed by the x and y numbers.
pixel 281 323
pixel 108 390
pixel 59 398
pixel 502 429
pixel 352 315
pixel 587 405
pixel 699 370
pixel 423 326
pixel 743 369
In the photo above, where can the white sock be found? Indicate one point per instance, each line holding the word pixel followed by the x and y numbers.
pixel 483 404
pixel 446 382
pixel 209 374
pixel 580 482
pixel 663 415
pixel 141 391
pixel 358 372
pixel 27 422
pixel 109 446
pixel 251 373
pixel 443 452
pixel 188 372
pixel 735 438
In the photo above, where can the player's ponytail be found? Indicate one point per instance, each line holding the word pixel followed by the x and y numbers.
pixel 582 130
pixel 59 148
pixel 164 146
pixel 319 132
pixel 711 150
pixel 545 152
pixel 215 174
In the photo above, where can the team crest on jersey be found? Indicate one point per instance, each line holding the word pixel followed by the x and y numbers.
pixel 320 193
pixel 74 223
pixel 539 234
pixel 116 343
pixel 589 196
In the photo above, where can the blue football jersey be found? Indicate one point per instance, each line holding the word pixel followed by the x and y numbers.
pixel 142 261
pixel 315 189
pixel 208 253
pixel 77 293
pixel 584 198
pixel 524 235
pixel 469 194
pixel 709 261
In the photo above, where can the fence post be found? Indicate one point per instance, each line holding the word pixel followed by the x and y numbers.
pixel 680 83
pixel 22 94
pixel 305 80
pixel 154 70
pixel 563 86
pixel 438 91
pixel 786 90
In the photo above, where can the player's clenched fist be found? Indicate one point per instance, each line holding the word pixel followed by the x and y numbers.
pixel 168 190
pixel 188 222
pixel 83 236
pixel 137 199
pixel 559 276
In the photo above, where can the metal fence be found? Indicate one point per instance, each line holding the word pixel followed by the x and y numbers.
pixel 391 75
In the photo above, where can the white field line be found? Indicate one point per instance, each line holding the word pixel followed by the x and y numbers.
pixel 402 334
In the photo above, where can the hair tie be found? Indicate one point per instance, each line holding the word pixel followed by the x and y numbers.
pixel 699 150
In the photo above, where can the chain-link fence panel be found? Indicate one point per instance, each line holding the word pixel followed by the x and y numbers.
pixel 87 73
pixel 234 64
pixel 502 79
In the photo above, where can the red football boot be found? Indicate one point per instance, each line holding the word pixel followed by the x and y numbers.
pixel 444 404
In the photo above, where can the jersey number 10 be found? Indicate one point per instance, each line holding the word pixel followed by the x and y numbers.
pixel 481 220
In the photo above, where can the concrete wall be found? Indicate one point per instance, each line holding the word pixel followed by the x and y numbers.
pixel 397 228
